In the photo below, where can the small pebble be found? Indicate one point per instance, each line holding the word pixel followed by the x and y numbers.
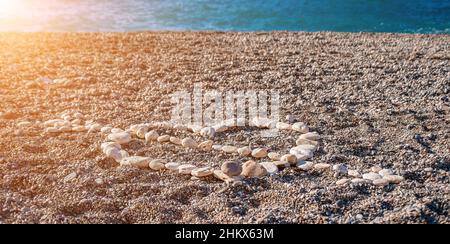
pixel 206 145
pixel 300 127
pixel 290 158
pixel 252 169
pixel 342 182
pixel 312 136
pixel 380 182
pixel 164 138
pixel 259 153
pixel 371 176
pixel 121 137
pixel 231 168
pixel 229 149
pixel 244 151
pixel 172 166
pixel 322 166
pixel 270 167
pixel 202 172
pixel 394 179
pixel 186 169
pixel 152 136
pixel 157 164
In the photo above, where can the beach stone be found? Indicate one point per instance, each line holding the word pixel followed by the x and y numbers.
pixel 99 181
pixel 283 126
pixel 124 154
pixel 106 145
pixel 263 122
pixel 300 127
pixel 270 167
pixel 385 172
pixel 300 142
pixel 376 169
pixel 221 175
pixel 229 149
pixel 189 143
pixel 322 166
pixel 172 166
pixel 163 138
pixel 24 124
pixel 114 153
pixel 290 158
pixel 116 130
pixel 151 136
pixel 180 127
pixel 79 128
pixel 206 145
pixel 281 164
pixel 259 153
pixel 186 169
pixel 157 164
pixel 121 137
pixel 52 130
pixel 252 169
pixel 274 156
pixel 175 140
pixel 380 182
pixel 354 173
pixel 220 128
pixel 141 132
pixel 312 136
pixel 106 130
pixel 136 161
pixel 342 182
pixel 202 172
pixel 231 168
pixel 340 169
pixel 217 147
pixel 78 122
pixel 394 179
pixel 301 151
pixel 305 166
pixel 371 176
pixel 208 132
pixel 244 151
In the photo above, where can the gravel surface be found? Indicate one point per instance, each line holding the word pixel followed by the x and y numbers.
pixel 376 99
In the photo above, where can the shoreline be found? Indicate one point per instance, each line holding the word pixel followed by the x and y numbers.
pixel 378 99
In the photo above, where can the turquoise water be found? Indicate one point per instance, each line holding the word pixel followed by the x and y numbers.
pixel 411 16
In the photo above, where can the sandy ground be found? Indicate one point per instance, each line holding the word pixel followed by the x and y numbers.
pixel 377 99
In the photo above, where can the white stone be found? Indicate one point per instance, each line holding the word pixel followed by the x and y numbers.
pixel 208 132
pixel 141 132
pixel 70 177
pixel 157 164
pixel 342 182
pixel 220 128
pixel 79 128
pixel 380 182
pixel 394 179
pixel 136 161
pixel 180 127
pixel 263 122
pixel 274 156
pixel 175 140
pixel 24 124
pixel 306 166
pixel 376 169
pixel 107 145
pixel 106 130
pixel 283 126
pixel 229 149
pixel 116 130
pixel 217 147
pixel 244 151
pixel 385 172
pixel 172 166
pixel 121 137
pixel 202 172
pixel 354 173
pixel 52 130
pixel 300 127
pixel 290 158
pixel 189 143
pixel 163 138
pixel 312 136
pixel 300 142
pixel 322 166
pixel 340 169
pixel 301 151
pixel 221 175
pixel 151 136
pixel 186 169
pixel 113 153
pixel 195 128
pixel 270 167
pixel 252 169
pixel 259 153
pixel 371 176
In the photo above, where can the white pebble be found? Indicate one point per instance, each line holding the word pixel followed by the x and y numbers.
pixel 371 176
pixel 206 145
pixel 189 143
pixel 259 153
pixel 202 172
pixel 283 126
pixel 136 161
pixel 151 136
pixel 300 127
pixel 229 149
pixel 121 137
pixel 208 132
pixel 186 169
pixel 270 167
pixel 172 166
pixel 312 136
pixel 244 151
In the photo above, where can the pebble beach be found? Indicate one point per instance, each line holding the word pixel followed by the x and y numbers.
pixel 81 138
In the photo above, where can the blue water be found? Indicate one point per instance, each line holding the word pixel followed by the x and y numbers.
pixel 410 16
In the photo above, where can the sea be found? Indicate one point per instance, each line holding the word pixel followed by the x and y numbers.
pixel 399 16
